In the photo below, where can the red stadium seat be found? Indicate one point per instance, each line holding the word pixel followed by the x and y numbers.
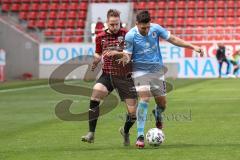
pixel 42 15
pixel 78 39
pixel 5 7
pixel 66 39
pixel 230 4
pixel 201 4
pixel 189 30
pixel 200 13
pixel 83 6
pixel 191 4
pixel 220 21
pixel 79 32
pixel 170 22
pixel 72 15
pixel 63 7
pixel 220 13
pixel 80 24
pixel 60 24
pixel 58 39
pixel 181 13
pixel 210 3
pixel 181 4
pixel 190 22
pixel 70 24
pixel 151 5
pixel 58 32
pixel 221 4
pixel 230 21
pixel 199 30
pixel 170 13
pixel 171 4
pixel 160 21
pixel 32 15
pixel 160 13
pixel 48 32
pixel 53 7
pixel 230 12
pixel 139 5
pixel 198 37
pixel 188 38
pixel 210 13
pixel 180 22
pixel 73 6
pixel 23 15
pixel 50 24
pixel 69 32
pixel 43 7
pixel 161 4
pixel 152 13
pixel 190 13
pixel 31 24
pixel 82 14
pixel 200 21
pixel 24 7
pixel 62 15
pixel 15 7
pixel 210 21
pixel 40 24
pixel 34 7
pixel 52 15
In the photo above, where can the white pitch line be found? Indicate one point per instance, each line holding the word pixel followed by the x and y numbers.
pixel 22 88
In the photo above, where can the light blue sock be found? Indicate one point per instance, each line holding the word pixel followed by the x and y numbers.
pixel 141 117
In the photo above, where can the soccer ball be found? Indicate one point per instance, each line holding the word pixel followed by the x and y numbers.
pixel 155 137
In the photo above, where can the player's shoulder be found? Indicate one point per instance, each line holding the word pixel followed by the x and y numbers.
pixel 101 34
pixel 155 26
pixel 132 32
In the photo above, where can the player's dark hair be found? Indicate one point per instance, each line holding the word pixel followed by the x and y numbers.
pixel 113 13
pixel 143 17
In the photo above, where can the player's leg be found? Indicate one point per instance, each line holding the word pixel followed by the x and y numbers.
pixel 220 69
pixel 158 90
pixel 145 95
pixel 127 92
pixel 100 90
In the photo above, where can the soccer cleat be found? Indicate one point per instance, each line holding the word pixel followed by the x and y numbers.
pixel 140 142
pixel 159 124
pixel 126 140
pixel 89 137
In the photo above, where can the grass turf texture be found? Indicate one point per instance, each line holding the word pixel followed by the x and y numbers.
pixel 202 121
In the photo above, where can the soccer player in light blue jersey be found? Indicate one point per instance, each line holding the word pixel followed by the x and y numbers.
pixel 142 45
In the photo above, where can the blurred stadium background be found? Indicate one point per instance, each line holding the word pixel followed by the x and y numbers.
pixel 37 36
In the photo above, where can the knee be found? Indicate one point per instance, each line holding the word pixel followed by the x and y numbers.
pixel 163 104
pixel 145 99
pixel 131 117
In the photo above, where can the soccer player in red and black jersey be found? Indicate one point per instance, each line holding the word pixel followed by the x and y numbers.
pixel 114 76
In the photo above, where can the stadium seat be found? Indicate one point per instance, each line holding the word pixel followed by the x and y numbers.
pixel 210 21
pixel 82 14
pixel 5 7
pixel 62 15
pixel 63 7
pixel 48 32
pixel 80 24
pixel 190 13
pixel 190 22
pixel 70 24
pixel 57 39
pixel 230 21
pixel 15 7
pixel 52 15
pixel 201 4
pixel 50 24
pixel 220 13
pixel 23 15
pixel 43 7
pixel 31 24
pixel 181 4
pixel 181 13
pixel 73 6
pixel 24 7
pixel 171 4
pixel 79 32
pixel 139 5
pixel 58 32
pixel 161 4
pixel 191 4
pixel 40 24
pixel 180 22
pixel 42 15
pixel 53 6
pixel 151 5
pixel 169 22
pixel 200 13
pixel 78 39
pixel 159 21
pixel 67 39
pixel 230 12
pixel 210 12
pixel 69 32
pixel 200 21
pixel 220 21
pixel 230 4
pixel 160 13
pixel 60 23
pixel 221 4
pixel 72 15
pixel 170 13
pixel 32 15
pixel 211 4
pixel 83 6
pixel 34 7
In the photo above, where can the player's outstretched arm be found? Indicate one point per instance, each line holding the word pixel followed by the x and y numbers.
pixel 181 43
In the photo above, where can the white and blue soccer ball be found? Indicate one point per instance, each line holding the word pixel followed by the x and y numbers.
pixel 155 137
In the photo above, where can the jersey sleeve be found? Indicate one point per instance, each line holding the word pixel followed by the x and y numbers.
pixel 162 32
pixel 129 43
pixel 98 42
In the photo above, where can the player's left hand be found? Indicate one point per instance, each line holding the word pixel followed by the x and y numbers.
pixel 199 50
pixel 110 53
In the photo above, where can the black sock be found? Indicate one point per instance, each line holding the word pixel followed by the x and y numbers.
pixel 235 70
pixel 93 115
pixel 130 120
pixel 159 118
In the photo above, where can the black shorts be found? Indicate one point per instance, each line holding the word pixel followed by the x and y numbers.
pixel 123 85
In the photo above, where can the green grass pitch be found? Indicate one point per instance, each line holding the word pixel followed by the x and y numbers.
pixel 202 122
